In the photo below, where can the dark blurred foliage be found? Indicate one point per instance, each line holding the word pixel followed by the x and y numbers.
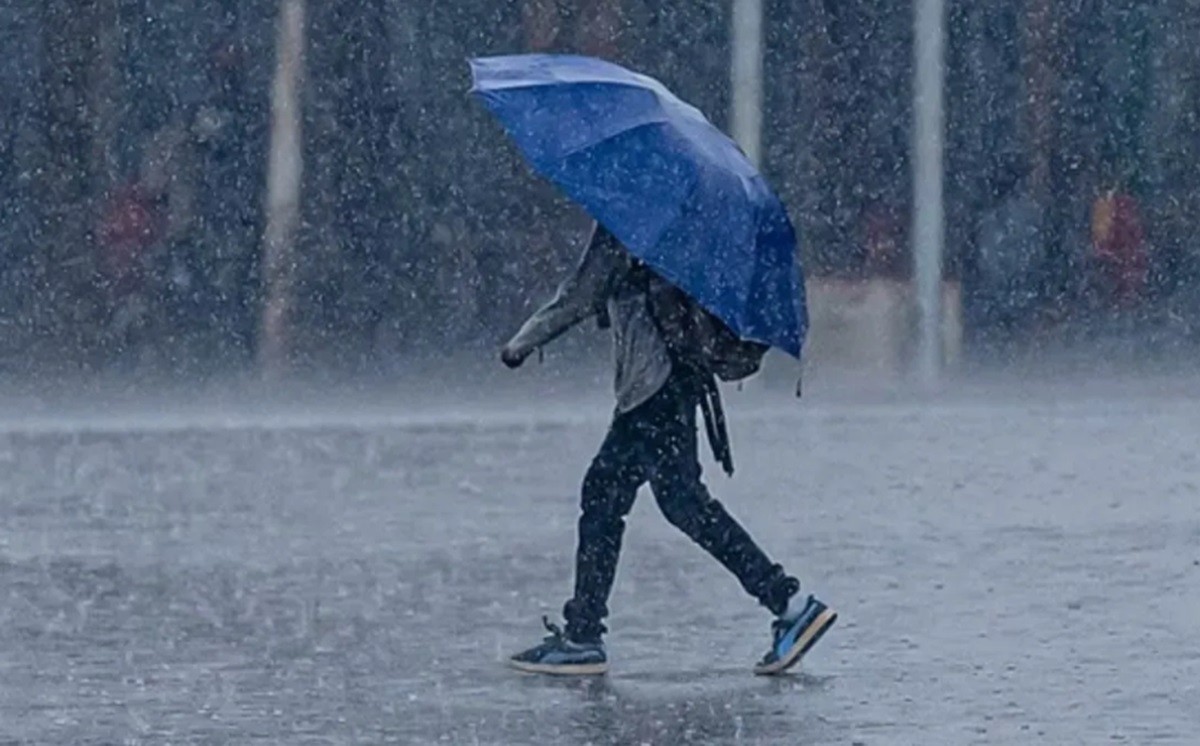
pixel 134 138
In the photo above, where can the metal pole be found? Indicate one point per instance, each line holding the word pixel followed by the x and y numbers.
pixel 928 219
pixel 284 170
pixel 746 73
pixel 746 86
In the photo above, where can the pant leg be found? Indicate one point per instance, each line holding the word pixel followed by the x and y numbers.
pixel 685 501
pixel 609 490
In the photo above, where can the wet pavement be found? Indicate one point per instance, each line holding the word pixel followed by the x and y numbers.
pixel 1008 569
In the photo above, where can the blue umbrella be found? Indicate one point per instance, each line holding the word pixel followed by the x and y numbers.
pixel 676 191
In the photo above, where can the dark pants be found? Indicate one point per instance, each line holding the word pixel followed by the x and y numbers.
pixel 657 443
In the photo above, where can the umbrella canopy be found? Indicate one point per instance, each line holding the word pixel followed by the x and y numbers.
pixel 675 190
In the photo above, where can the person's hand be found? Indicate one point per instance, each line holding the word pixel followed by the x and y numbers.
pixel 512 358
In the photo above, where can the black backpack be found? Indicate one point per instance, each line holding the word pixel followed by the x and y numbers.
pixel 696 336
pixel 698 340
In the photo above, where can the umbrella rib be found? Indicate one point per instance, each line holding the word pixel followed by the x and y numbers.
pixel 691 191
pixel 580 148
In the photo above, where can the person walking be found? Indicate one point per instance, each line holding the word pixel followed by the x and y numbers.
pixel 662 378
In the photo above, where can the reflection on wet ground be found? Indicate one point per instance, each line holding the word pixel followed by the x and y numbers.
pixel 1005 574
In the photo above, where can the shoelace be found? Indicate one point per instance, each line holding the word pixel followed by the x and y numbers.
pixel 556 632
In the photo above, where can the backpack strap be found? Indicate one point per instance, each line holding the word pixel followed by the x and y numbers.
pixel 714 422
pixel 703 380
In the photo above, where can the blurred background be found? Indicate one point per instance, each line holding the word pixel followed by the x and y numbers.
pixel 195 194
pixel 136 137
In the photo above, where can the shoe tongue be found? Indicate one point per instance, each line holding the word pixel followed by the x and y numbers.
pixel 796 606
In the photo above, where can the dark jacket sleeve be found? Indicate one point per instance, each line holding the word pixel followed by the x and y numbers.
pixel 579 297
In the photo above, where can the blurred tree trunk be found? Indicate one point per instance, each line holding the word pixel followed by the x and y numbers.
pixel 1043 65
pixel 21 153
pixel 80 49
pixel 829 51
pixel 1172 147
pixel 791 113
pixel 1039 76
pixel 283 189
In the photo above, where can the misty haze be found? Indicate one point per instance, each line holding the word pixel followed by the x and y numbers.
pixel 265 478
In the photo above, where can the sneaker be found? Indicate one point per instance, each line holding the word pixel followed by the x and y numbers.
pixel 560 656
pixel 793 638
